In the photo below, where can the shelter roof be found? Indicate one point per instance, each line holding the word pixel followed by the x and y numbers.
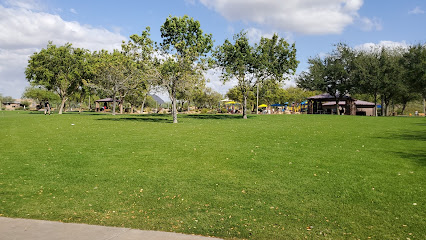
pixel 358 103
pixel 327 97
pixel 107 100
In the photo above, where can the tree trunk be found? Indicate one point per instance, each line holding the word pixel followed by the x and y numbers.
pixel 143 103
pixel 375 104
pixel 174 110
pixel 113 104
pixel 403 108
pixel 387 103
pixel 81 103
pixel 61 109
pixel 337 107
pixel 257 99
pixel 382 110
pixel 245 107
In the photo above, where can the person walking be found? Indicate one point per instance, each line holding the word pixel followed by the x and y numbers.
pixel 46 107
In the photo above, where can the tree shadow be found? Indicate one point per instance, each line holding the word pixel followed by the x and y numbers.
pixel 214 116
pixel 412 135
pixel 146 119
pixel 418 156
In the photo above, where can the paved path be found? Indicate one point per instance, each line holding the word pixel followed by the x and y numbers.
pixel 23 229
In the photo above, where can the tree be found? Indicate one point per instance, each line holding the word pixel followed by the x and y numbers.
pixel 331 74
pixel 141 50
pixel 206 98
pixel 414 62
pixel 184 47
pixel 367 74
pixel 269 92
pixel 40 94
pixel 6 99
pixel 115 75
pixel 59 69
pixel 270 59
pixel 298 95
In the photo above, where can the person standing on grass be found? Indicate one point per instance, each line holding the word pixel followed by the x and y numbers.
pixel 46 107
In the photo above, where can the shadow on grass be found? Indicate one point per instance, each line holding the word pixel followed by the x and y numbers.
pixel 417 156
pixel 135 119
pixel 213 116
pixel 413 135
pixel 406 135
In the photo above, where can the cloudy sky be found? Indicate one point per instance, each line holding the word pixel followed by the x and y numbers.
pixel 314 25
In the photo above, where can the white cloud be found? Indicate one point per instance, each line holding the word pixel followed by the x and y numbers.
pixel 214 82
pixel 190 2
pixel 303 16
pixel 25 4
pixel 368 24
pixel 382 44
pixel 254 34
pixel 416 10
pixel 24 31
pixel 72 10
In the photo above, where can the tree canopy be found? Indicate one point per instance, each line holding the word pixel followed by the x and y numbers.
pixel 270 59
pixel 179 62
pixel 60 69
pixel 184 47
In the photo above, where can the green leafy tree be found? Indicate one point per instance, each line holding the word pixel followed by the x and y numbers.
pixel 414 62
pixel 141 50
pixel 207 98
pixel 5 99
pixel 59 69
pixel 40 94
pixel 115 75
pixel 184 48
pixel 272 59
pixel 331 74
pixel 391 74
pixel 367 74
pixel 298 95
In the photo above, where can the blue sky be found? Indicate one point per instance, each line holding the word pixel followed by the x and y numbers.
pixel 314 25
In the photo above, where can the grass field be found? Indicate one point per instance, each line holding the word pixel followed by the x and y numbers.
pixel 267 177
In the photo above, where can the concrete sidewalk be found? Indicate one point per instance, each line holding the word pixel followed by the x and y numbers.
pixel 20 229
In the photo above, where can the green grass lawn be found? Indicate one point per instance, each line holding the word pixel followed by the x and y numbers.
pixel 267 177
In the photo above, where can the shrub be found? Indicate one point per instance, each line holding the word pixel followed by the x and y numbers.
pixel 204 111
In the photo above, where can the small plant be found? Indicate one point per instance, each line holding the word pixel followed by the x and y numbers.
pixel 204 111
